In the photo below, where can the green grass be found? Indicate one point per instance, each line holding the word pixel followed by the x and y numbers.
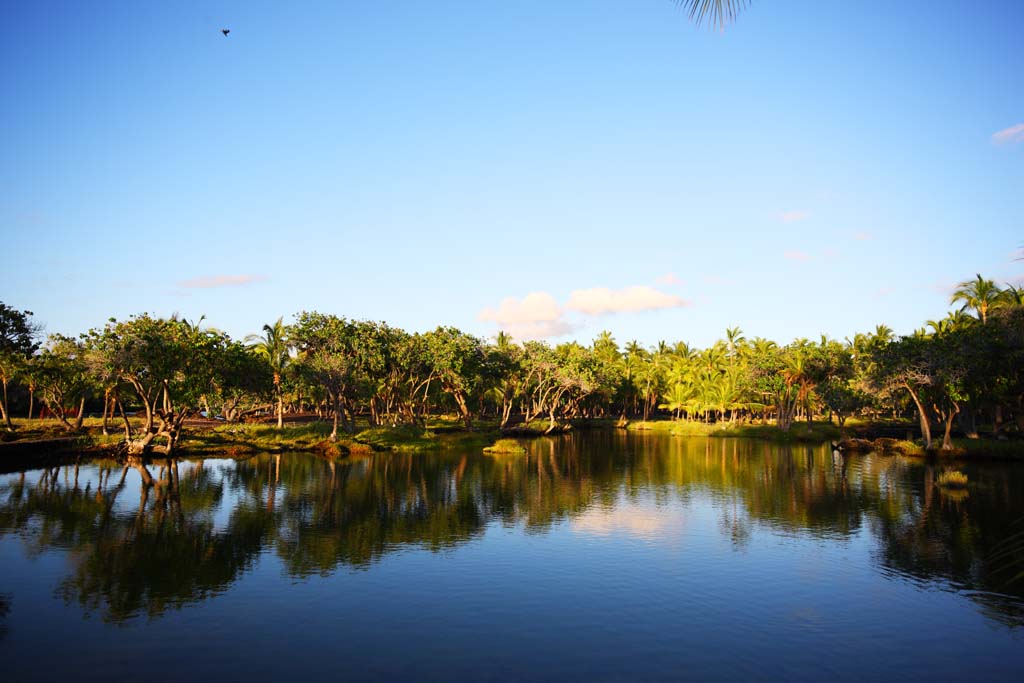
pixel 255 438
pixel 505 446
pixel 449 431
pixel 400 438
pixel 909 448
pixel 816 432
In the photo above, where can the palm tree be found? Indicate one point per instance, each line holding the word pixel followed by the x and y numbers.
pixel 273 346
pixel 677 399
pixel 196 328
pixel 763 346
pixel 734 339
pixel 883 334
pixel 1011 297
pixel 683 350
pixel 715 12
pixel 978 294
pixel 958 320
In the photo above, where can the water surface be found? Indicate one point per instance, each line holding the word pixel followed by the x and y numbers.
pixel 597 556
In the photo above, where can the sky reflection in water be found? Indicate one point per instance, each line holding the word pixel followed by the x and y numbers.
pixel 597 555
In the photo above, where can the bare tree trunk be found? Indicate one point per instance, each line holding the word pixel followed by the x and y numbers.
pixel 4 413
pixel 374 419
pixel 337 409
pixel 106 411
pixel 506 411
pixel 460 401
pixel 127 424
pixel 81 414
pixel 926 430
pixel 948 416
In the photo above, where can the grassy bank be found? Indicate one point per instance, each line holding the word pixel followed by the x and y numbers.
pixel 315 436
pixel 798 432
pixel 210 438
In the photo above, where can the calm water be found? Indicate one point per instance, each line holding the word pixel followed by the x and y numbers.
pixel 597 556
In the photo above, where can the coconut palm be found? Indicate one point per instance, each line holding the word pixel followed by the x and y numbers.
pixel 683 350
pixel 677 399
pixel 958 320
pixel 762 346
pixel 1010 297
pixel 273 346
pixel 734 339
pixel 503 340
pixel 978 295
pixel 883 334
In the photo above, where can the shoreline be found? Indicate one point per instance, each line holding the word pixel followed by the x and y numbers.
pixel 236 439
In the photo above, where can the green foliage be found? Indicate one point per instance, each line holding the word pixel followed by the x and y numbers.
pixel 63 377
pixel 505 447
pixel 18 333
pixel 978 294
pixel 17 344
pixel 401 438
pixel 959 369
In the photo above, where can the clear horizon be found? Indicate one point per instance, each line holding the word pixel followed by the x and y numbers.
pixel 544 168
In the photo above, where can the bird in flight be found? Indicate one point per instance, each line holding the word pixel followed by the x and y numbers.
pixel 225 31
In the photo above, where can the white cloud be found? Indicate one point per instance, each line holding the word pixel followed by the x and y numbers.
pixel 534 307
pixel 642 522
pixel 1009 135
pixel 601 300
pixel 669 279
pixel 863 236
pixel 797 255
pixel 794 216
pixel 220 281
pixel 536 316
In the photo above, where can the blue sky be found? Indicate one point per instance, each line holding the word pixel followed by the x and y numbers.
pixel 818 168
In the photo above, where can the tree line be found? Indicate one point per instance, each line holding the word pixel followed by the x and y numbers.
pixel 962 369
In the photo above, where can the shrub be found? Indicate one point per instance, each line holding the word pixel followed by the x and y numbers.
pixel 505 446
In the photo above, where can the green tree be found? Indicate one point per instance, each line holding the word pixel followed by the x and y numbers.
pixel 978 295
pixel 17 344
pixel 169 364
pixel 273 346
pixel 456 359
pixel 327 357
pixel 63 379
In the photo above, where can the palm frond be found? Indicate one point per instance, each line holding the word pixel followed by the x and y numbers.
pixel 716 13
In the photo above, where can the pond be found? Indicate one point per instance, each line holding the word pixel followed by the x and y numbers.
pixel 599 555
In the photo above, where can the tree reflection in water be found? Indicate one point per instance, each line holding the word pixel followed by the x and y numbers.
pixel 143 538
